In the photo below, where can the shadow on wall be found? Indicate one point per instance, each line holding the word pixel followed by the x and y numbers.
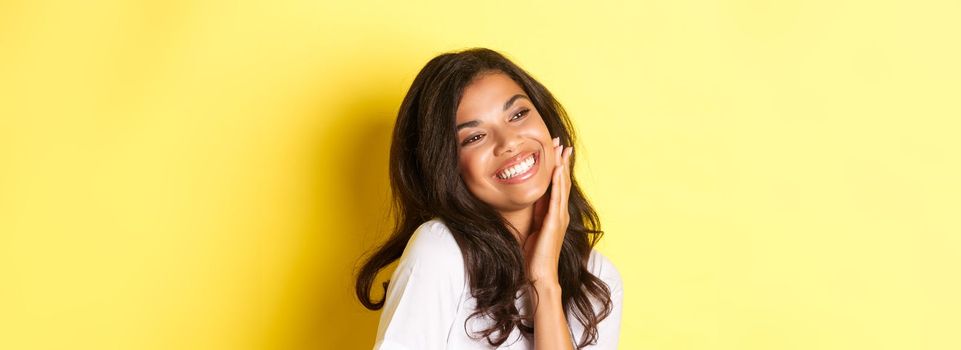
pixel 320 309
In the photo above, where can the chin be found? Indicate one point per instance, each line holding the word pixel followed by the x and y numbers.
pixel 525 200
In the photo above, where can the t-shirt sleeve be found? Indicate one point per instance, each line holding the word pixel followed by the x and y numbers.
pixel 424 293
pixel 609 329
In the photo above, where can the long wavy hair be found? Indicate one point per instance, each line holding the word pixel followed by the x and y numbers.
pixel 426 183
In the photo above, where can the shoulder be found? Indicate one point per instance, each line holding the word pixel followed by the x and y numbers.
pixel 604 268
pixel 434 241
pixel 425 292
pixel 432 247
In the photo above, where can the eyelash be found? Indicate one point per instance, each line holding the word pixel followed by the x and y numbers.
pixel 520 115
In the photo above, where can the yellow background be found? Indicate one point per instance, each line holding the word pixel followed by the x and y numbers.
pixel 204 174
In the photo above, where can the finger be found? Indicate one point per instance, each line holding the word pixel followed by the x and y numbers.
pixel 568 171
pixel 565 184
pixel 557 188
pixel 547 222
pixel 558 155
pixel 567 168
pixel 559 181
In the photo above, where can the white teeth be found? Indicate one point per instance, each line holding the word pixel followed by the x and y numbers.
pixel 517 169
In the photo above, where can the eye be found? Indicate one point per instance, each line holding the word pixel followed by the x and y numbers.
pixel 472 139
pixel 520 115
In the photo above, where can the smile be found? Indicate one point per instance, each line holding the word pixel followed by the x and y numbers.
pixel 519 172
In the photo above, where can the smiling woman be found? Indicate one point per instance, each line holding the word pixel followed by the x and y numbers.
pixel 501 143
pixel 494 237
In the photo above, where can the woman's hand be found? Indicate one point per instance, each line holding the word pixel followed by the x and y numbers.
pixel 542 248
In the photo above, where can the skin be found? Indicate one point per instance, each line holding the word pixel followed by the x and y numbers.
pixel 539 217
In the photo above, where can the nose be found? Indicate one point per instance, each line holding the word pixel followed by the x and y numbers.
pixel 507 142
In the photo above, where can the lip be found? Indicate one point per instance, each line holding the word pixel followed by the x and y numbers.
pixel 521 177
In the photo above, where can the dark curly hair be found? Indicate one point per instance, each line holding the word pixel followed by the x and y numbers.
pixel 425 183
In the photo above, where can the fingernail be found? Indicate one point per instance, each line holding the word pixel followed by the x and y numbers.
pixel 557 141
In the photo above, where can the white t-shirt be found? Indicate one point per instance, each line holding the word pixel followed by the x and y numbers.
pixel 428 300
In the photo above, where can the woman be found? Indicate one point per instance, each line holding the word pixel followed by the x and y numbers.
pixel 494 237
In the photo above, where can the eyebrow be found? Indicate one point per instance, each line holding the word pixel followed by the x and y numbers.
pixel 510 101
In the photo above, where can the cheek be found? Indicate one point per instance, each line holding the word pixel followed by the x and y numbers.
pixel 471 167
pixel 538 129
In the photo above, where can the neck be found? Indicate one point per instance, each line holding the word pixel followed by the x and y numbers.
pixel 522 220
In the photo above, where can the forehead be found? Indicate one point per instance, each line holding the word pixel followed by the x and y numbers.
pixel 486 95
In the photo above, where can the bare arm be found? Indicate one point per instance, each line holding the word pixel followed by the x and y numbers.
pixel 550 323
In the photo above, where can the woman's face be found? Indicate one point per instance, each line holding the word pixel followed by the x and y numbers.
pixel 505 150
